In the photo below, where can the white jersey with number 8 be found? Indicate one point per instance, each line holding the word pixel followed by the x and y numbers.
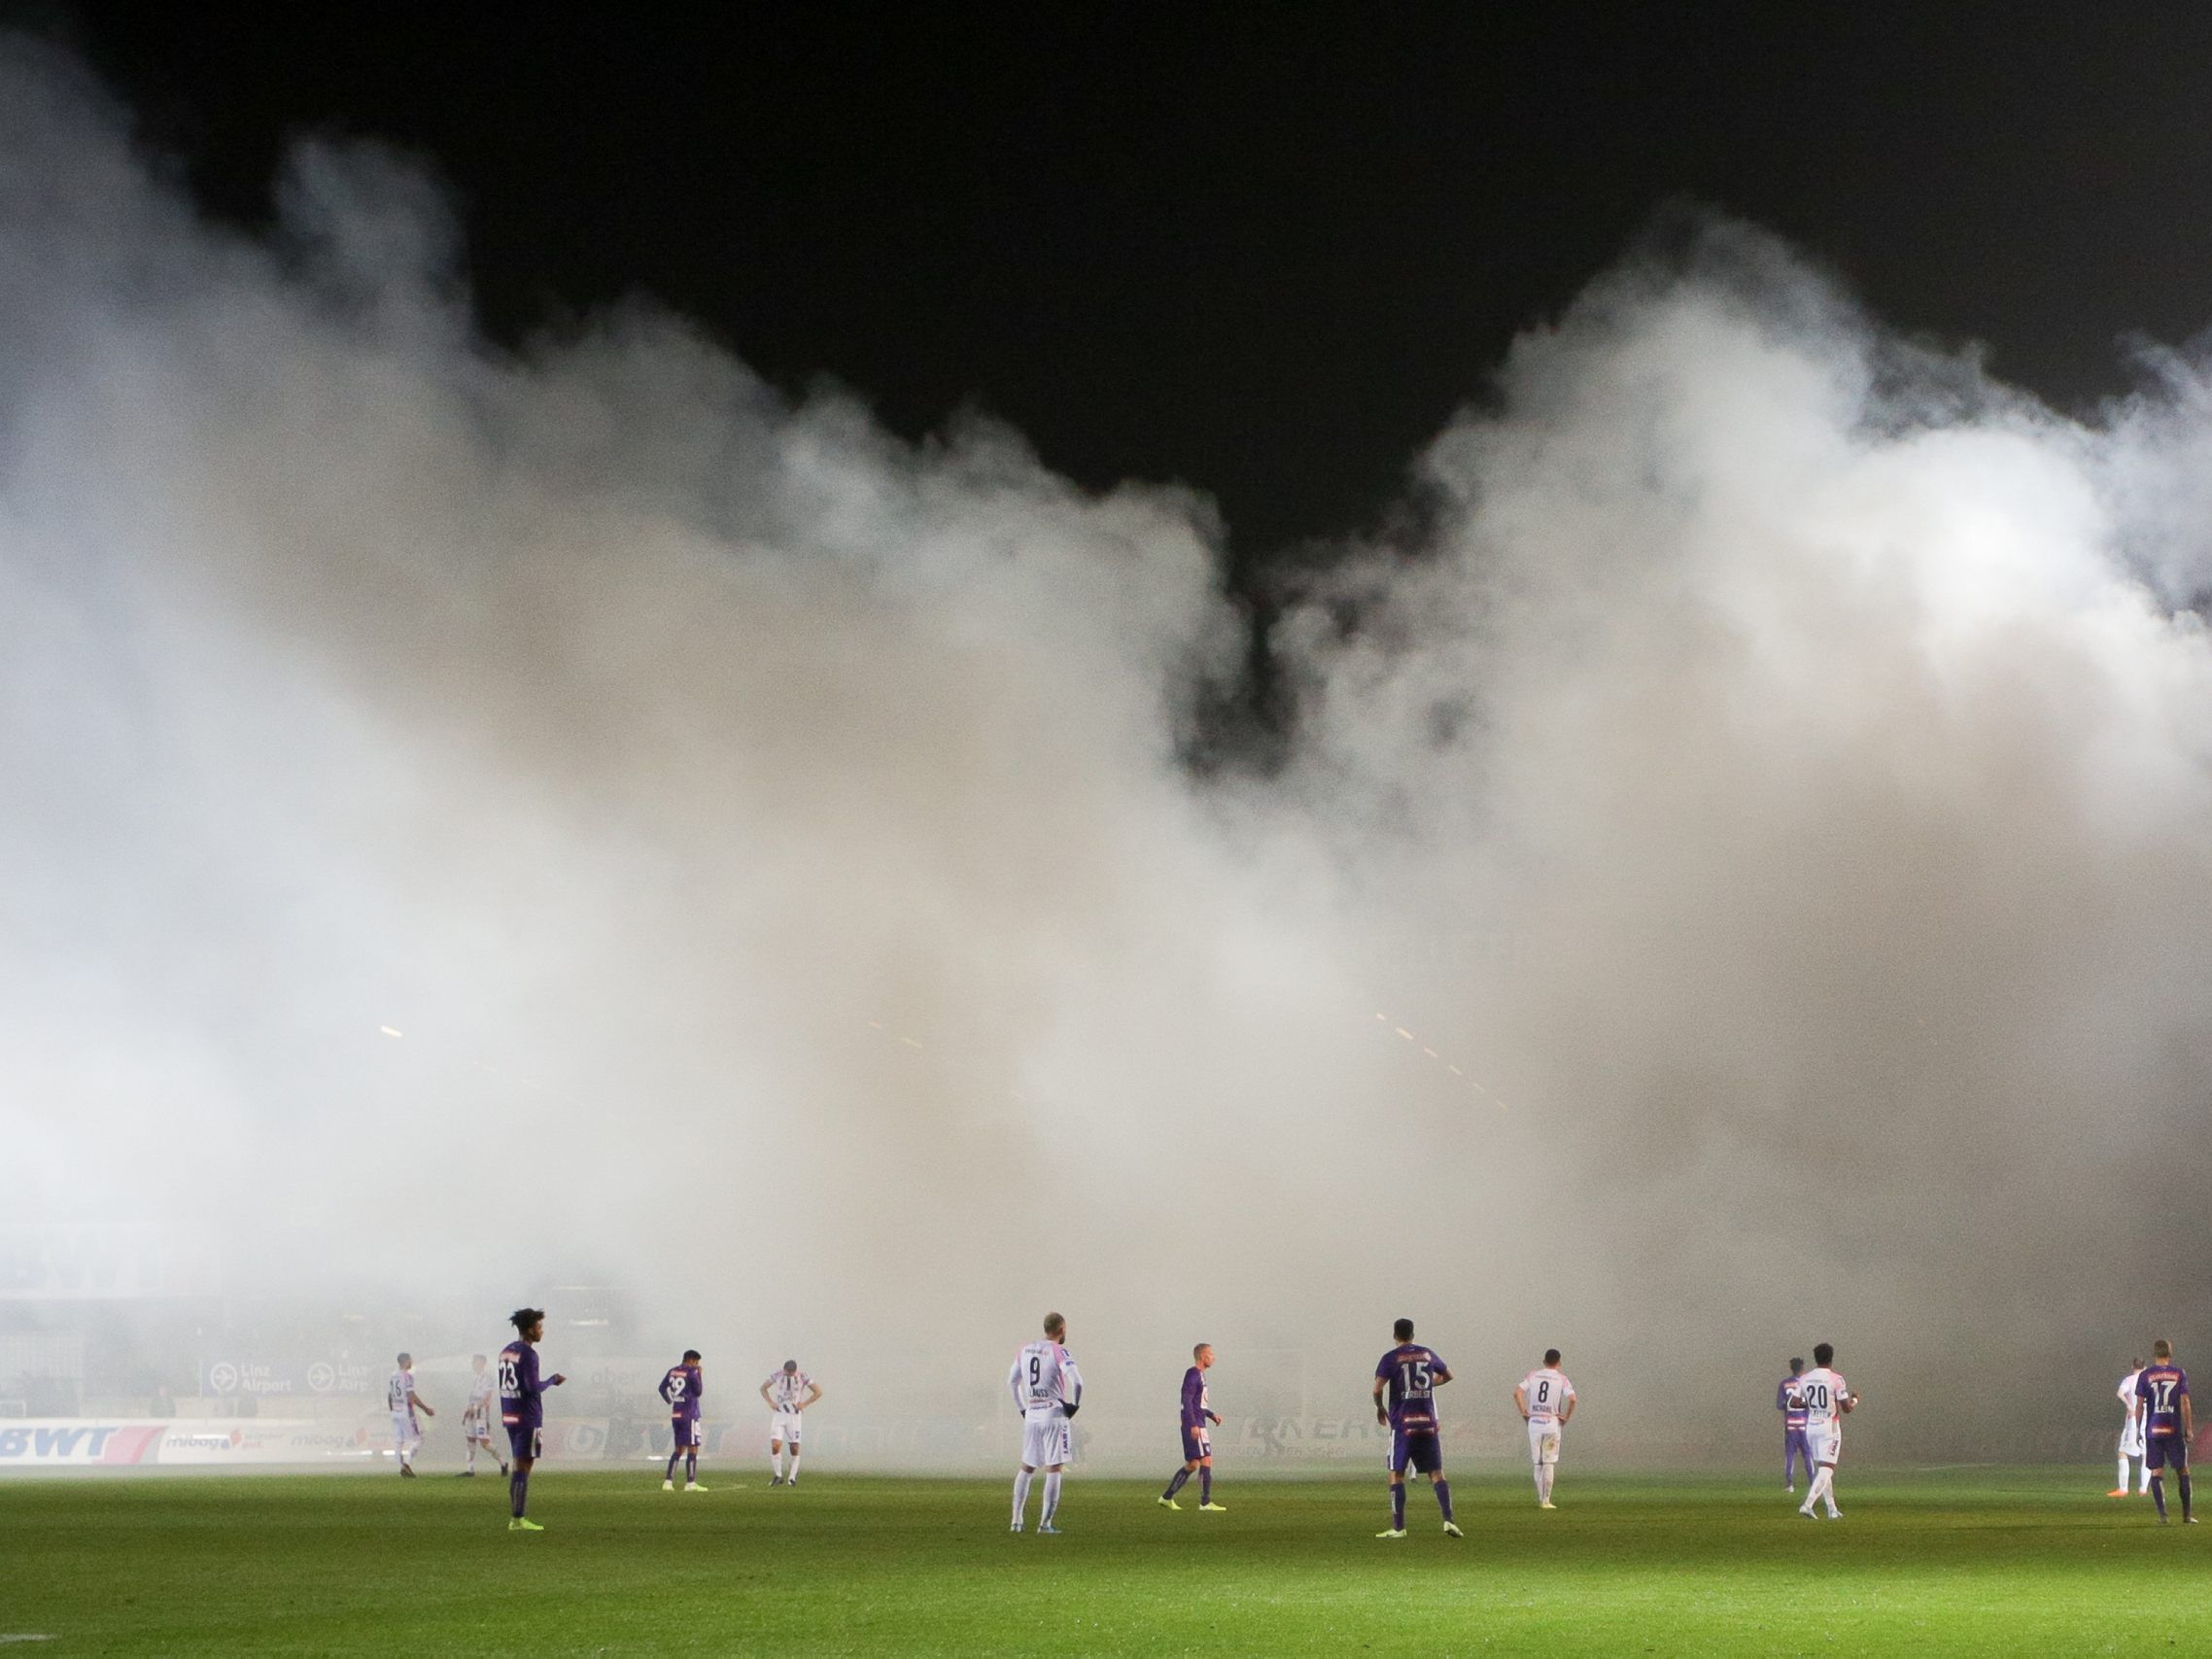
pixel 1547 1392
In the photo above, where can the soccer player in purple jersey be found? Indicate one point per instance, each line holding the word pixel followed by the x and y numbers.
pixel 1197 1444
pixel 522 1408
pixel 681 1388
pixel 1412 1374
pixel 2168 1424
pixel 1794 1448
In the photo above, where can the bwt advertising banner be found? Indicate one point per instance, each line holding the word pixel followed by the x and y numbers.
pixel 65 1443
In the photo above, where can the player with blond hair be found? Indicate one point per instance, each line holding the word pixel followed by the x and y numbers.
pixel 1048 1392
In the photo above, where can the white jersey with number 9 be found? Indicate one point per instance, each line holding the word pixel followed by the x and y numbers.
pixel 1044 1378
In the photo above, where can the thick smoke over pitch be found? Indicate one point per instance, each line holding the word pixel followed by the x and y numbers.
pixel 1776 770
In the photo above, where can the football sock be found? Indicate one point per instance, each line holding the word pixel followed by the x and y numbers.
pixel 794 1474
pixel 776 1464
pixel 1818 1489
pixel 1205 1483
pixel 1052 1500
pixel 1536 1473
pixel 471 1456
pixel 1444 1498
pixel 1543 1482
pixel 671 1474
pixel 691 1466
pixel 1021 1492
pixel 2159 1494
pixel 2122 1482
pixel 2183 1477
pixel 1175 1482
pixel 1398 1507
pixel 518 1491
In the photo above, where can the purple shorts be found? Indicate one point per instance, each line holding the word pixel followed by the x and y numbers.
pixel 1196 1445
pixel 1420 1447
pixel 2166 1451
pixel 525 1442
pixel 686 1433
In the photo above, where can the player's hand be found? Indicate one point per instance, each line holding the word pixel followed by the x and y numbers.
pixel 1382 1417
pixel 555 1380
pixel 1216 1422
pixel 1069 1411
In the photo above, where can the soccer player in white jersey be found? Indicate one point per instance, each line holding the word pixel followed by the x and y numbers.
pixel 403 1401
pixel 1826 1397
pixel 2130 1431
pixel 480 1413
pixel 1048 1391
pixel 788 1392
pixel 1546 1400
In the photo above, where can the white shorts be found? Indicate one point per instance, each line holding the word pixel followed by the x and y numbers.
pixel 407 1433
pixel 1543 1441
pixel 476 1423
pixel 1826 1441
pixel 783 1426
pixel 2131 1439
pixel 1044 1438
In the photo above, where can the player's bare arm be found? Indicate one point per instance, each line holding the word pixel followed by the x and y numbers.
pixel 416 1401
pixel 1567 1411
pixel 813 1393
pixel 1521 1401
pixel 1381 1416
pixel 2188 1421
pixel 1439 1377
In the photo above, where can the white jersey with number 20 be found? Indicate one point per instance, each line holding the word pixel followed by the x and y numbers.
pixel 1822 1392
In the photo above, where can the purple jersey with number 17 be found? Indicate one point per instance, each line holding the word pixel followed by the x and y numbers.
pixel 1410 1372
pixel 2162 1389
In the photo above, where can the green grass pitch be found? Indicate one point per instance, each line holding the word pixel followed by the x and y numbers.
pixel 1981 1561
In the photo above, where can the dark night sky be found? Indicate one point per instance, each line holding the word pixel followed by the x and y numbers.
pixel 1263 249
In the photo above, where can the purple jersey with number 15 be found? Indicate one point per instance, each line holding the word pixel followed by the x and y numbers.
pixel 1410 1370
pixel 2162 1389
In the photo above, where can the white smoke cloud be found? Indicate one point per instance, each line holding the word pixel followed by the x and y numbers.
pixel 1773 789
